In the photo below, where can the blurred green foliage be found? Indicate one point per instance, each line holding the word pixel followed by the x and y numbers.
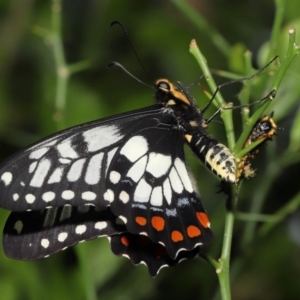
pixel 264 266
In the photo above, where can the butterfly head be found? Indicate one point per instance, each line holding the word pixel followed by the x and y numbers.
pixel 181 102
pixel 169 95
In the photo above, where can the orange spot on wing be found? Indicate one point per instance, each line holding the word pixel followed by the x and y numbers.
pixel 203 219
pixel 158 223
pixel 125 240
pixel 176 236
pixel 193 231
pixel 141 221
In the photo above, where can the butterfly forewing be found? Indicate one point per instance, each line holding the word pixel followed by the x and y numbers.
pixel 69 167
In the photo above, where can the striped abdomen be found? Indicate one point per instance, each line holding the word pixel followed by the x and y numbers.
pixel 214 155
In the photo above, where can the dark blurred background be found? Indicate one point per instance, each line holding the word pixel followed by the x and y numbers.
pixel 265 265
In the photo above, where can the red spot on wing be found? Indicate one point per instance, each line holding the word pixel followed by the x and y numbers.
pixel 125 241
pixel 203 219
pixel 141 221
pixel 193 231
pixel 176 236
pixel 158 223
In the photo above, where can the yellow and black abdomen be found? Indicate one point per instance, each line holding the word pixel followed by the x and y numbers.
pixel 214 155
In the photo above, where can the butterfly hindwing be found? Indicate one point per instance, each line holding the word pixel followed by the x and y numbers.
pixel 36 234
pixel 151 190
pixel 139 249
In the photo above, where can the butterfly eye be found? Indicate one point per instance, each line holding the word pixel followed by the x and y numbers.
pixel 163 85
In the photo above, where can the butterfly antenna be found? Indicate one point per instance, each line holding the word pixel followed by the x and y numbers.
pixel 239 80
pixel 112 64
pixel 131 44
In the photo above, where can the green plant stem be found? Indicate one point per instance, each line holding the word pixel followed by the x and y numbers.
pixel 218 101
pixel 223 266
pixel 292 51
pixel 279 14
pixel 256 217
pixel 223 271
pixel 200 22
pixel 63 70
pixel 245 93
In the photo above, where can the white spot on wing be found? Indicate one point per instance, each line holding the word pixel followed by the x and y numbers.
pixel 80 229
pixel 62 236
pixel 6 178
pixel 114 177
pixel 109 195
pixel 175 181
pixel 156 196
pixel 64 160
pixel 66 150
pixel 158 164
pixel 182 171
pixel 88 196
pixel 134 148
pixel 40 173
pixel 48 196
pixel 56 176
pixel 76 170
pixel 93 172
pixel 123 219
pixel 45 243
pixel 142 192
pixel 15 196
pixel 124 197
pixel 37 154
pixel 30 198
pixel 167 190
pixel 101 137
pixel 110 156
pixel 100 225
pixel 138 169
pixel 67 195
pixel 18 226
pixel 32 166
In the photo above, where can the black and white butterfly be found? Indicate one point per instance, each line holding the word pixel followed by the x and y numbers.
pixel 124 177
